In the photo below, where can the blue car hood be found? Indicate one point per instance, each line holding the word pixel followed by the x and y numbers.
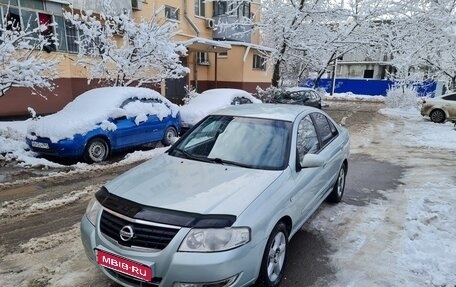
pixel 192 186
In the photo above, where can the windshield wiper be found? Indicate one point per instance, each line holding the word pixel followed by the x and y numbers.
pixel 228 162
pixel 188 155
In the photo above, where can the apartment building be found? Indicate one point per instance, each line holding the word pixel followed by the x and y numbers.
pixel 216 57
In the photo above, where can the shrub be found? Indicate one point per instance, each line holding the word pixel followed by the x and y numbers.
pixel 402 97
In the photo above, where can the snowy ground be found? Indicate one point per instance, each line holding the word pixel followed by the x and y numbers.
pixel 406 238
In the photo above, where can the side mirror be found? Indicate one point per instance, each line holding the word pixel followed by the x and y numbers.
pixel 312 160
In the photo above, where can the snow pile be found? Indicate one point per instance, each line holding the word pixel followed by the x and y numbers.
pixel 348 96
pixel 402 97
pixel 31 206
pixel 209 101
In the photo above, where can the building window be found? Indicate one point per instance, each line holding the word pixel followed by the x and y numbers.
pixel 244 9
pixel 200 8
pixel 10 2
pixel 171 13
pixel 13 19
pixel 222 8
pixel 235 8
pixel 203 58
pixel 259 62
pixel 72 36
pixel 135 4
pixel 222 54
pixel 32 4
pixel 368 74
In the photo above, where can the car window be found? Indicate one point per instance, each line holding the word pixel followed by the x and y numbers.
pixel 325 129
pixel 241 101
pixel 307 140
pixel 248 142
pixel 313 95
pixel 450 97
pixel 130 100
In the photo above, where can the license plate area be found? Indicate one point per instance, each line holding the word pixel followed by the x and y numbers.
pixel 40 145
pixel 124 265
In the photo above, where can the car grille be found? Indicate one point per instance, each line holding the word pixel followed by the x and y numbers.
pixel 145 236
pixel 133 281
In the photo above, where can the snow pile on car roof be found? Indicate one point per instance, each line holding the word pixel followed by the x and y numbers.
pixel 210 101
pixel 95 106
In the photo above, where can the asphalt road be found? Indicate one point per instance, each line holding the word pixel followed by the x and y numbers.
pixel 307 265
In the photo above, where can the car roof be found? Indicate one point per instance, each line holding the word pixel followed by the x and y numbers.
pixel 267 111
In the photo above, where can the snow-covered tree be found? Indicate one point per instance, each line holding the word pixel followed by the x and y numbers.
pixel 22 61
pixel 309 35
pixel 117 49
pixel 417 38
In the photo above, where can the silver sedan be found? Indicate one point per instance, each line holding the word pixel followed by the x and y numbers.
pixel 220 206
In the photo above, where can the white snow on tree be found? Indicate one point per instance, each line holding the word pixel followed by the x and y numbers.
pixel 22 61
pixel 116 49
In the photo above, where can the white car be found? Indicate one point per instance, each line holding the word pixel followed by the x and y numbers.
pixel 440 109
pixel 210 101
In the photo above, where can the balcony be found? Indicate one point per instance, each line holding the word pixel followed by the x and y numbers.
pixel 242 33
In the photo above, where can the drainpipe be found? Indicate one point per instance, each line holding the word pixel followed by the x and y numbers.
pixel 197 31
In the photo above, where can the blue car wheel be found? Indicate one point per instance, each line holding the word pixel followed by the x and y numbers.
pixel 169 134
pixel 97 150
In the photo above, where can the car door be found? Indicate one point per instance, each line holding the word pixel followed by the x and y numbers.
pixel 307 180
pixel 331 145
pixel 132 128
pixel 123 135
pixel 154 127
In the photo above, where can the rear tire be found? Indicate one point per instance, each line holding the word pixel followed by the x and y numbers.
pixel 169 134
pixel 274 257
pixel 437 116
pixel 339 187
pixel 97 150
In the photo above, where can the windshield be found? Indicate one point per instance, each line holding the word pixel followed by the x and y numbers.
pixel 247 142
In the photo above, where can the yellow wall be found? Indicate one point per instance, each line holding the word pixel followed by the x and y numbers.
pixel 230 69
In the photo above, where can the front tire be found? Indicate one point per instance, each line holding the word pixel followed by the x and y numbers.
pixel 97 150
pixel 169 134
pixel 273 263
pixel 437 116
pixel 339 187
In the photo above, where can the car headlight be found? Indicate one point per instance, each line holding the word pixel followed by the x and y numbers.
pixel 214 239
pixel 92 210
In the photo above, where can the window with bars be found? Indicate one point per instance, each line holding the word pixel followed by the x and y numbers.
pixel 72 36
pixel 203 58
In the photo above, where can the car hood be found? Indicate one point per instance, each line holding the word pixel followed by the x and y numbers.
pixel 192 186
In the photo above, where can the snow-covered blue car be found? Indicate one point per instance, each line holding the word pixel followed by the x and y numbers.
pixel 105 120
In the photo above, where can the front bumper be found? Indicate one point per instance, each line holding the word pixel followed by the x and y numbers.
pixel 62 148
pixel 170 266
